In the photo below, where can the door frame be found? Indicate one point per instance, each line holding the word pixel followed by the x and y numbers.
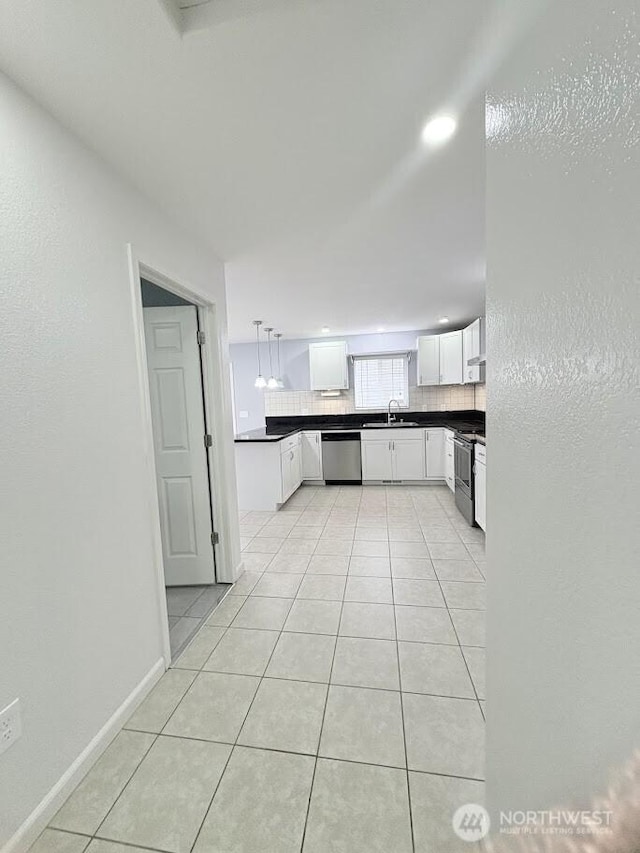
pixel 221 489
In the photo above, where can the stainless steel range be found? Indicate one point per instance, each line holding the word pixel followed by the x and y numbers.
pixel 463 461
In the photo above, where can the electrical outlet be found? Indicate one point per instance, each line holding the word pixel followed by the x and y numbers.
pixel 10 725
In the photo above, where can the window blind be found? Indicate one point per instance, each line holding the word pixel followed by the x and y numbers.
pixel 379 379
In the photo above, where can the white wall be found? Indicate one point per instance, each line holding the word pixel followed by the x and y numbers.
pixel 563 311
pixel 79 625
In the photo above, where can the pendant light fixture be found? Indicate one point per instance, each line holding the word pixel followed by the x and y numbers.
pixel 272 383
pixel 260 382
pixel 277 336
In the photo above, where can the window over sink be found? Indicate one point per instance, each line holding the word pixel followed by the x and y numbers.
pixel 380 378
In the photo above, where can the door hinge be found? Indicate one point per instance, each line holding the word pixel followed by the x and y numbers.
pixel 200 337
pixel 208 440
pixel 215 538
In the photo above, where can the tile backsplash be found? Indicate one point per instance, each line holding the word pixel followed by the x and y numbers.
pixel 437 398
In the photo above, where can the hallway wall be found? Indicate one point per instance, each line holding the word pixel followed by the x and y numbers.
pixel 563 313
pixel 79 625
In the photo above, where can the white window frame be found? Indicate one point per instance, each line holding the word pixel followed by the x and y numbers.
pixel 380 357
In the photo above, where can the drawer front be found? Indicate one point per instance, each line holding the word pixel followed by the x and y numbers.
pixel 289 443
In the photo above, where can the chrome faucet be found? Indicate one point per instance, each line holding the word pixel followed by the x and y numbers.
pixel 391 420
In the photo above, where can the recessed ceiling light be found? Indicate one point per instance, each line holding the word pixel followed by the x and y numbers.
pixel 438 130
pixel 325 330
pixel 443 320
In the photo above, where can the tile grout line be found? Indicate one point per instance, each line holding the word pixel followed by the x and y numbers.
pixel 235 743
pixel 309 755
pixel 310 681
pixel 324 711
pixel 462 650
pixel 404 729
pixel 128 782
pixel 131 846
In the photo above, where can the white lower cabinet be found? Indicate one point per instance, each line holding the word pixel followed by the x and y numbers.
pixel 311 445
pixel 408 459
pixel 449 460
pixel 376 460
pixel 290 469
pixel 480 480
pixel 435 454
pixel 399 455
pixel 267 472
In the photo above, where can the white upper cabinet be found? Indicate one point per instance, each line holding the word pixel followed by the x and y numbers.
pixel 472 344
pixel 328 366
pixel 440 359
pixel 429 360
pixel 451 358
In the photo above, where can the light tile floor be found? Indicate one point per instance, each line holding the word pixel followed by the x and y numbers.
pixel 333 701
pixel 188 608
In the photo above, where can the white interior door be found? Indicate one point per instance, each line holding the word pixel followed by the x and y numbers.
pixel 177 409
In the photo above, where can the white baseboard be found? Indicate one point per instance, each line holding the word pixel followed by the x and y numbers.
pixel 47 808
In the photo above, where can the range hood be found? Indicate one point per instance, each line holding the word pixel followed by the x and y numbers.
pixel 478 359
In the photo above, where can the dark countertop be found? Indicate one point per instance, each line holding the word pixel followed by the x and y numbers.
pixel 262 435
pixel 278 428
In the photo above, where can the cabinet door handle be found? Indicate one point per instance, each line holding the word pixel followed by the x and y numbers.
pixel 389 445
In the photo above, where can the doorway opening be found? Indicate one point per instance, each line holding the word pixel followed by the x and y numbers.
pixel 181 440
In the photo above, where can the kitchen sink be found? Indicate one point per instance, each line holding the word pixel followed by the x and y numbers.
pixel 394 424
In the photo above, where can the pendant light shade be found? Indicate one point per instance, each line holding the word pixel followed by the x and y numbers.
pixel 260 382
pixel 272 383
pixel 279 381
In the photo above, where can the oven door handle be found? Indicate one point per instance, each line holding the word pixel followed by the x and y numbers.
pixel 466 444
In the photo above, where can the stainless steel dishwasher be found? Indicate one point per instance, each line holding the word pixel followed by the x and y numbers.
pixel 341 461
